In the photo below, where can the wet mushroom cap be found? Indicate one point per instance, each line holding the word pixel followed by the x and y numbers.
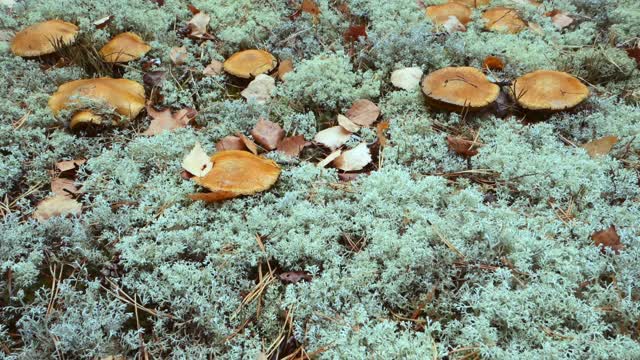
pixel 249 63
pixel 455 88
pixel 84 117
pixel 503 20
pixel 124 47
pixel 125 96
pixel 440 14
pixel 43 38
pixel 239 172
pixel 549 90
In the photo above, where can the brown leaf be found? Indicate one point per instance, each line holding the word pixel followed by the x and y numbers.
pixel 248 143
pixel 64 187
pixel 178 55
pixel 334 155
pixel 214 68
pixel 608 238
pixel 347 124
pixel 284 67
pixel 268 134
pixel 634 53
pixel 198 26
pixel 57 205
pixel 153 78
pixel 69 165
pixel 194 10
pixel 354 159
pixel 310 7
pixel 292 146
pixel 166 121
pixel 380 129
pixel 560 19
pixel 354 32
pixel 600 147
pixel 293 277
pixel 363 112
pixel 103 22
pixel 230 143
pixel 462 146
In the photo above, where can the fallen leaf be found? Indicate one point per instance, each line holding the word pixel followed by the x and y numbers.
pixel 608 238
pixel 253 148
pixel 68 165
pixel 284 67
pixel 600 146
pixel 332 137
pixel 153 78
pixel 57 205
pixel 292 146
pixel 363 112
pixel 326 161
pixel 64 187
pixel 194 10
pixel 348 124
pixel 230 143
pixel 493 63
pixel 178 55
pixel 380 129
pixel 198 26
pixel 354 159
pixel 354 32
pixel 406 78
pixel 560 19
pixel 197 162
pixel 214 68
pixel 103 22
pixel 166 121
pixel 267 133
pixel 259 89
pixel 634 53
pixel 310 7
pixel 293 277
pixel 462 146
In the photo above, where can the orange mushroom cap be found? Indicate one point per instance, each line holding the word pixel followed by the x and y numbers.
pixel 549 90
pixel 503 20
pixel 455 88
pixel 249 63
pixel 124 47
pixel 125 96
pixel 237 172
pixel 472 3
pixel 43 38
pixel 440 14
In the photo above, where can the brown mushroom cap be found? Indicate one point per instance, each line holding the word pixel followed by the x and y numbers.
pixel 472 3
pixel 237 172
pixel 503 20
pixel 249 63
pixel 439 14
pixel 43 38
pixel 124 47
pixel 549 90
pixel 125 96
pixel 455 88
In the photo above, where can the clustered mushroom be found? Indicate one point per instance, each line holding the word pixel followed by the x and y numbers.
pixel 498 19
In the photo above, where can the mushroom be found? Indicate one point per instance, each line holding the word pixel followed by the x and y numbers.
pixel 126 97
pixel 456 88
pixel 472 3
pixel 124 48
pixel 235 173
pixel 249 63
pixel 549 90
pixel 503 20
pixel 440 14
pixel 43 38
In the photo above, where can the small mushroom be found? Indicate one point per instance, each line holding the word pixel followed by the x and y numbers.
pixel 456 88
pixel 250 63
pixel 503 20
pixel 548 90
pixel 235 173
pixel 440 14
pixel 472 3
pixel 124 48
pixel 125 96
pixel 43 38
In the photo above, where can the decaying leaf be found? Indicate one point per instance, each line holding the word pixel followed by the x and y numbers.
pixel 634 53
pixel 380 131
pixel 354 159
pixel 153 78
pixel 293 277
pixel 230 143
pixel 559 19
pixel 347 124
pixel 267 133
pixel 253 148
pixel 332 137
pixel 214 68
pixel 69 165
pixel 292 146
pixel 407 78
pixel 463 146
pixel 608 238
pixel 600 146
pixel 64 187
pixel 57 205
pixel 166 121
pixel 259 89
pixel 326 161
pixel 355 32
pixel 198 26
pixel 363 112
pixel 284 67
pixel 197 162
pixel 178 55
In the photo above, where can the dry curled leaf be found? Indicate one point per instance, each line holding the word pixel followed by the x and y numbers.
pixel 197 162
pixel 292 146
pixel 259 89
pixel 230 143
pixel 462 146
pixel 608 238
pixel 332 137
pixel 103 22
pixel 347 124
pixel 198 26
pixel 407 78
pixel 354 159
pixel 326 161
pixel 267 133
pixel 64 187
pixel 57 205
pixel 363 112
pixel 600 146
pixel 214 68
pixel 559 19
pixel 253 148
pixel 166 121
pixel 69 165
pixel 293 277
pixel 178 55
